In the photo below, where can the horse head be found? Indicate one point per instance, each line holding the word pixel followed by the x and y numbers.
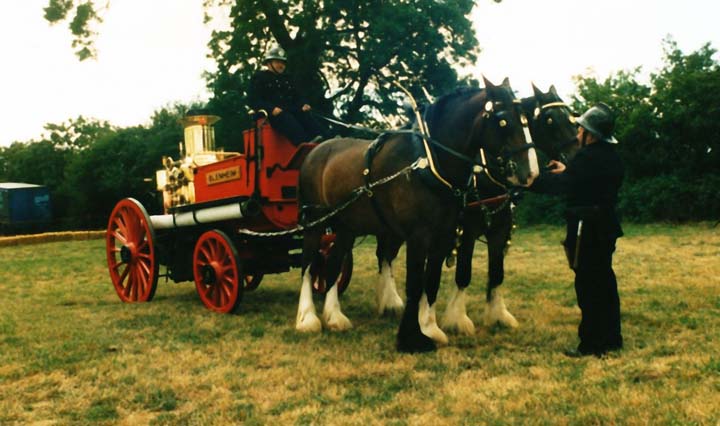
pixel 507 137
pixel 552 124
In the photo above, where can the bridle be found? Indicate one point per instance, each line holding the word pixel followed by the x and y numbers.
pixel 538 117
pixel 505 163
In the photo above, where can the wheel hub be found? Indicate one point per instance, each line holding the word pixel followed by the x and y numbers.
pixel 126 254
pixel 208 275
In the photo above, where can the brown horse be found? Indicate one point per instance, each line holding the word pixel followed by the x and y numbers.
pixel 414 190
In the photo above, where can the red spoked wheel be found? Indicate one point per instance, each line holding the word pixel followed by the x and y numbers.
pixel 216 270
pixel 327 245
pixel 131 256
pixel 251 282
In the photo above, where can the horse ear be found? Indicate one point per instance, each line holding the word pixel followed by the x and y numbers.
pixel 506 82
pixel 553 91
pixel 538 93
pixel 487 82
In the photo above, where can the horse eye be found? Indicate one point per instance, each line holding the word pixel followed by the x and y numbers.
pixel 549 121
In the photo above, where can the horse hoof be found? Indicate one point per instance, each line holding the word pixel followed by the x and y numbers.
pixel 308 324
pixel 509 321
pixel 415 344
pixel 463 326
pixel 390 304
pixel 337 322
pixel 505 319
pixel 439 337
pixel 392 310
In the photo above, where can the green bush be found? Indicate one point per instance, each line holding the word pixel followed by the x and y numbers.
pixel 671 198
pixel 662 198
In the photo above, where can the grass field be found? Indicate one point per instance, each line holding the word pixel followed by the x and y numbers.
pixel 72 354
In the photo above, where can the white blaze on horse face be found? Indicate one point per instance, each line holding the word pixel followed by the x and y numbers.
pixel 455 317
pixel 332 314
pixel 386 295
pixel 534 167
pixel 307 320
pixel 532 157
pixel 496 312
pixel 428 322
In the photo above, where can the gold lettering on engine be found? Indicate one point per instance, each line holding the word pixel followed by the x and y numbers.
pixel 223 175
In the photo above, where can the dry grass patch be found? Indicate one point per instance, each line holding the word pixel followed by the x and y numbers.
pixel 72 353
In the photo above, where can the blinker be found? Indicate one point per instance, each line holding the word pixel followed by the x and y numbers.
pixel 536 113
pixel 549 121
pixel 503 123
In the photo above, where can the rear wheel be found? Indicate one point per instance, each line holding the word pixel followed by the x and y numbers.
pixel 217 272
pixel 251 282
pixel 132 260
pixel 327 245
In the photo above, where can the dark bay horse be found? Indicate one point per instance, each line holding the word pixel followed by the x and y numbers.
pixel 488 213
pixel 553 130
pixel 419 188
pixel 552 124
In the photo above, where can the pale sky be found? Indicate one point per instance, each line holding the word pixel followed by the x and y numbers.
pixel 153 53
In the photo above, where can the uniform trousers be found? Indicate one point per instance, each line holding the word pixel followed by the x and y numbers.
pixel 298 126
pixel 597 296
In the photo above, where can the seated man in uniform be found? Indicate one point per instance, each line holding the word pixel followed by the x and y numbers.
pixel 273 91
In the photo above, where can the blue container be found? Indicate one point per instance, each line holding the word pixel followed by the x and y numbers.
pixel 24 204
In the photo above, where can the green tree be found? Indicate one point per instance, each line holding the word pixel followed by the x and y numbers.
pixel 669 134
pixel 337 49
pixel 77 134
pixel 637 122
pixel 671 125
pixel 40 163
pixel 121 164
pixel 687 98
pixel 82 15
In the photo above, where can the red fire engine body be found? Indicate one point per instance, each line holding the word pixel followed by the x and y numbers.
pixel 228 220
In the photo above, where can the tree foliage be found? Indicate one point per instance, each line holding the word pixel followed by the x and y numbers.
pixel 338 51
pixel 671 125
pixel 669 132
pixel 84 16
pixel 346 54
pixel 88 166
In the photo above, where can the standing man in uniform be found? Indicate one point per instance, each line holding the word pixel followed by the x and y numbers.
pixel 590 183
pixel 272 90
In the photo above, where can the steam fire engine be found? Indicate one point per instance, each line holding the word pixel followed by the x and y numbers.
pixel 228 219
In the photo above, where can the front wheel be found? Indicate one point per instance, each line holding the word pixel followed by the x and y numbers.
pixel 217 272
pixel 131 255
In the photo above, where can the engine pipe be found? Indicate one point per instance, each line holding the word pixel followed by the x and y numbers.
pixel 206 215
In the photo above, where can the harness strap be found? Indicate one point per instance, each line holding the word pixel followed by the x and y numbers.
pixel 370 154
pixel 492 202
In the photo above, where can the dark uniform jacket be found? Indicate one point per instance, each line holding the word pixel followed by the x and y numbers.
pixel 269 90
pixel 590 184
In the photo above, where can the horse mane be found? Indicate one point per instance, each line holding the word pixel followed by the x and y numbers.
pixel 528 104
pixel 432 111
